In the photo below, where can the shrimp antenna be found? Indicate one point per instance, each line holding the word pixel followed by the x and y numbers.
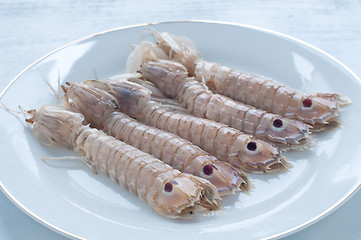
pixel 23 111
pixel 142 33
pixel 66 99
pixel 59 89
pixel 133 45
pixel 16 113
pixel 57 94
pixel 95 74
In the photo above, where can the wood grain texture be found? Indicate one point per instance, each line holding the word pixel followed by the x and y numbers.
pixel 30 29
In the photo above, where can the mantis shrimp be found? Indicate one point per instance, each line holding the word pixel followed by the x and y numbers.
pixel 167 191
pixel 317 110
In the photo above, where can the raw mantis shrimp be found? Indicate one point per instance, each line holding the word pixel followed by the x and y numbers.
pixel 223 142
pixel 317 110
pixel 172 78
pixel 99 108
pixel 167 191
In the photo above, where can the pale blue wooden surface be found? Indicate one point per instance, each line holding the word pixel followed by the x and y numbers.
pixel 30 29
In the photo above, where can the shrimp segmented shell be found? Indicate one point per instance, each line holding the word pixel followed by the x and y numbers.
pixel 167 191
pixel 100 109
pixel 172 78
pixel 223 142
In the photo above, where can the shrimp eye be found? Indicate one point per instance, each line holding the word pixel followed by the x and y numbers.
pixel 168 187
pixel 252 146
pixel 307 102
pixel 277 123
pixel 208 169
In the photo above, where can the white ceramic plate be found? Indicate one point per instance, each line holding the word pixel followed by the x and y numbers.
pixel 67 197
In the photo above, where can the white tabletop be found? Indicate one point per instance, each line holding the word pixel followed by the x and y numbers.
pixel 30 29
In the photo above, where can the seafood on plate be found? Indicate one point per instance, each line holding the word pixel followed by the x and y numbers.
pixel 172 79
pixel 167 191
pixel 316 109
pixel 223 142
pixel 100 109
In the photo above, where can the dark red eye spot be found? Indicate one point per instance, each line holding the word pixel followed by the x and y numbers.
pixel 208 169
pixel 307 102
pixel 168 187
pixel 252 146
pixel 277 123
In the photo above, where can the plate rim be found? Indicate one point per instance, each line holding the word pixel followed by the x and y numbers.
pixel 273 32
